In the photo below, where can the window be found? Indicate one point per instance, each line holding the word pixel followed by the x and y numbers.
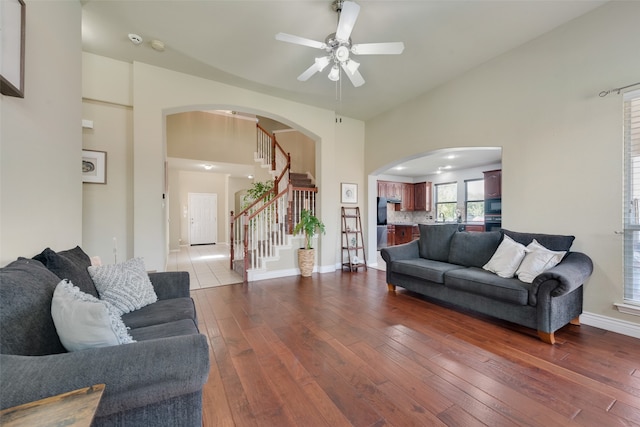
pixel 474 199
pixel 446 201
pixel 632 197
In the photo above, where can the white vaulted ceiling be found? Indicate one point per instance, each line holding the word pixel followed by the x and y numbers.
pixel 233 41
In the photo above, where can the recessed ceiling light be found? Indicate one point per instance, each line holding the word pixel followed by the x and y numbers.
pixel 208 167
pixel 250 176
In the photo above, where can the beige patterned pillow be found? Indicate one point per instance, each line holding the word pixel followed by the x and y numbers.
pixel 126 286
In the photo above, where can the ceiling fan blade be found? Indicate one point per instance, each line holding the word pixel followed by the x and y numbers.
pixel 318 65
pixel 283 37
pixel 393 48
pixel 348 16
pixel 355 77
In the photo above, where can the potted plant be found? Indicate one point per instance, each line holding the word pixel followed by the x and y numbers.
pixel 306 255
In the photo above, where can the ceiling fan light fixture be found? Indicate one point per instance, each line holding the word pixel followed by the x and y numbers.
pixel 321 63
pixel 352 66
pixel 334 74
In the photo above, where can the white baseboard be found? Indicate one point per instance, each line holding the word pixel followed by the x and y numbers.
pixel 610 324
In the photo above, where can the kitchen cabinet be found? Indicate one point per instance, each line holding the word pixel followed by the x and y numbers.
pixel 422 196
pixel 407 197
pixel 390 190
pixel 474 227
pixel 412 197
pixel 493 184
pixel 391 235
pixel 403 234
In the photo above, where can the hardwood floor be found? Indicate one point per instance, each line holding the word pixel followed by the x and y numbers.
pixel 338 350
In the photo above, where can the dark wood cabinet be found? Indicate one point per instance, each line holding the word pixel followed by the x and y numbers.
pixel 391 235
pixel 412 197
pixel 422 196
pixel 407 197
pixel 493 184
pixel 474 227
pixel 403 234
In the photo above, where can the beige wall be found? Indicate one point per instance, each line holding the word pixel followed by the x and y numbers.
pixel 301 148
pixel 41 138
pixel 562 144
pixel 159 92
pixel 107 210
pixel 214 137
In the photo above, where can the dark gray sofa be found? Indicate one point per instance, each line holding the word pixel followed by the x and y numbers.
pixel 446 265
pixel 156 381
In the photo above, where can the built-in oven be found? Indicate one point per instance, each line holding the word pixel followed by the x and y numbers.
pixel 492 222
pixel 492 207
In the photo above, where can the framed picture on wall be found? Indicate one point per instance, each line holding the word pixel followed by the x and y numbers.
pixel 12 21
pixel 349 193
pixel 94 167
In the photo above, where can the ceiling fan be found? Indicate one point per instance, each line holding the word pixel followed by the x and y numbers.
pixel 338 47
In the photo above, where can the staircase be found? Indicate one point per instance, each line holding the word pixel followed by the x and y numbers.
pixel 264 228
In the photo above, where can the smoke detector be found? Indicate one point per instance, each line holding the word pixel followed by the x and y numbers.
pixel 157 45
pixel 135 39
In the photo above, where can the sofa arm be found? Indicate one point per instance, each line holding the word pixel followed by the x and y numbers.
pixel 404 251
pixel 170 284
pixel 570 274
pixel 135 375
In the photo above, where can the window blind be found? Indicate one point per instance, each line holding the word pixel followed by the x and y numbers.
pixel 632 197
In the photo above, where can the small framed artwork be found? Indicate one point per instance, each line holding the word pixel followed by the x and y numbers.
pixel 12 21
pixel 349 193
pixel 94 167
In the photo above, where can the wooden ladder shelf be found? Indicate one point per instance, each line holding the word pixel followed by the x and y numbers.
pixel 352 240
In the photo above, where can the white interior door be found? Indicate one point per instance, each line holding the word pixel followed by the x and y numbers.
pixel 203 218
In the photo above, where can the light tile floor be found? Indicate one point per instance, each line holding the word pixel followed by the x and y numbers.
pixel 208 265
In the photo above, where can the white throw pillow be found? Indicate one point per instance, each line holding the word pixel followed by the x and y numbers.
pixel 83 321
pixel 537 260
pixel 126 286
pixel 507 258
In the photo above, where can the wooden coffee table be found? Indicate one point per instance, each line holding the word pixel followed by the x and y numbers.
pixel 75 408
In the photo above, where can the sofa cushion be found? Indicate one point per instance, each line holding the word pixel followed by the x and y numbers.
pixel 83 321
pixel 435 241
pixel 480 282
pixel 473 249
pixel 554 242
pixel 126 285
pixel 426 269
pixel 26 325
pixel 71 264
pixel 165 330
pixel 507 258
pixel 162 311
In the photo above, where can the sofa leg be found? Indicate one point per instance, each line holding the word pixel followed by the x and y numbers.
pixel 391 288
pixel 575 321
pixel 547 337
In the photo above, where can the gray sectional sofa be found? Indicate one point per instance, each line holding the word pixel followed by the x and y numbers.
pixel 155 381
pixel 446 265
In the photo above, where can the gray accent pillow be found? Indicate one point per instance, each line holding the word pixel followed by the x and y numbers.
pixel 435 241
pixel 70 264
pixel 554 242
pixel 473 249
pixel 126 286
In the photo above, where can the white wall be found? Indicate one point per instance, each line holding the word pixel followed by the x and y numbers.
pixel 562 144
pixel 41 138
